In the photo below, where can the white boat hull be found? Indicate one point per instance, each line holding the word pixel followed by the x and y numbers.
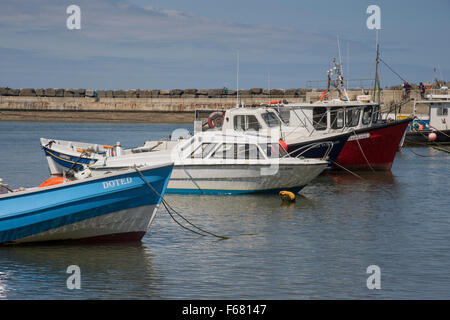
pixel 232 179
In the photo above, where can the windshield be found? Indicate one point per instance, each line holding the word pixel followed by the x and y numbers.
pixel 271 119
pixel 274 150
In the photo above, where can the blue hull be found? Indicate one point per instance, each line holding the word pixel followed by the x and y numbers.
pixel 318 151
pixel 68 161
pixel 29 213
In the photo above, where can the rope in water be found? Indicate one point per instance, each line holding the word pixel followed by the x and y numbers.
pixel 170 210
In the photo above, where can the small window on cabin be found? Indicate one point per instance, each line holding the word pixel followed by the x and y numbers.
pixel 320 118
pixel 224 151
pixel 352 117
pixel 274 150
pixel 367 115
pixel 442 111
pixel 247 151
pixel 203 150
pixel 375 114
pixel 271 119
pixel 337 118
pixel 246 122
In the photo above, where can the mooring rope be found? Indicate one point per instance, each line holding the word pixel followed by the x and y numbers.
pixel 169 208
pixel 360 148
pixel 348 170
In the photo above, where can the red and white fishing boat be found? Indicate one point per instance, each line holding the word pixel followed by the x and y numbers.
pixel 373 142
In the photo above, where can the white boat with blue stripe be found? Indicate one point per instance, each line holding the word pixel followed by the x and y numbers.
pixel 217 163
pixel 117 206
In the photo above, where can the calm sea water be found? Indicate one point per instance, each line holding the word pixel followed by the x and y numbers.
pixel 317 248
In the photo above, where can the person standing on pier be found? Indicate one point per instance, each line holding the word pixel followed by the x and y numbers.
pixel 422 90
pixel 406 90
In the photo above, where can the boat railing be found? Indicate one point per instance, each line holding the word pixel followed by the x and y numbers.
pixel 310 146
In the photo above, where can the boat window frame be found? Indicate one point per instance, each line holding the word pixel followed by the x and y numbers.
pixel 336 111
pixel 274 116
pixel 322 123
pixel 365 111
pixel 203 155
pixel 347 111
pixel 234 154
pixel 441 113
pixel 246 123
pixel 266 147
pixel 376 114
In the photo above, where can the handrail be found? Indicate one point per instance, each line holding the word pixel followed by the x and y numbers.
pixel 311 146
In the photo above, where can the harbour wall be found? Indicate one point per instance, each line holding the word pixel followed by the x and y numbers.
pixel 159 106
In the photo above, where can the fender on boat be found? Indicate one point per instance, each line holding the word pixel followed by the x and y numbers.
pixel 52 181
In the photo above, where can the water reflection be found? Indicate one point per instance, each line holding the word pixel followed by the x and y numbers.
pixel 107 271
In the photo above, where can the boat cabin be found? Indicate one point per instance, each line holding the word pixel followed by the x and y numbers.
pixel 439 104
pixel 333 116
pixel 321 117
pixel 216 146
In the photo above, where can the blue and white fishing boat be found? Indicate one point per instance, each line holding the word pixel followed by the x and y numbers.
pixel 117 206
pixel 215 163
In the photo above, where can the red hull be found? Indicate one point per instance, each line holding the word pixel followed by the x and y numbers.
pixel 378 145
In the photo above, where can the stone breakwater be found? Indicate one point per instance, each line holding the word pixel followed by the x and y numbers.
pixel 174 93
pixel 169 106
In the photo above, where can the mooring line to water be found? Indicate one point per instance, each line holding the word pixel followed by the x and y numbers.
pixel 360 148
pixel 342 167
pixel 169 208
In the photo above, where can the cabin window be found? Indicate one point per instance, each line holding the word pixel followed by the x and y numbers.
pixel 352 117
pixel 274 150
pixel 246 122
pixel 225 151
pixel 248 151
pixel 271 119
pixel 320 118
pixel 376 114
pixel 237 151
pixel 203 150
pixel 442 111
pixel 337 118
pixel 367 115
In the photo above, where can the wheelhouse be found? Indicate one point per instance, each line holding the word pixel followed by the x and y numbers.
pixel 334 117
pixel 231 147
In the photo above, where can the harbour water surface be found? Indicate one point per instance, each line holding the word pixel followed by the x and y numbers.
pixel 316 248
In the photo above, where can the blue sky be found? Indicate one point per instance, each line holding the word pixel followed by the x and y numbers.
pixel 165 44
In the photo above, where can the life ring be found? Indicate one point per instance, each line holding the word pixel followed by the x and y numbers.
pixel 322 95
pixel 213 117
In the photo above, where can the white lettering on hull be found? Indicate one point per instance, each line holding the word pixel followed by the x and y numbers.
pixel 116 183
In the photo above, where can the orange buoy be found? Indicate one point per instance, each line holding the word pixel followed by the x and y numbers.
pixel 52 181
pixel 287 196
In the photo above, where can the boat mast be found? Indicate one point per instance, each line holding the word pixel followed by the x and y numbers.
pixel 339 70
pixel 376 86
pixel 237 81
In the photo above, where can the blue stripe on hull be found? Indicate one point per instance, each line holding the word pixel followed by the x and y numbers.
pixel 77 202
pixel 67 162
pixel 229 192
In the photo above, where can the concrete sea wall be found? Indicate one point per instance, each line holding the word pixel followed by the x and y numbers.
pixel 177 105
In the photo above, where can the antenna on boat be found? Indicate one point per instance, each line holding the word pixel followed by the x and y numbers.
pixel 348 64
pixel 237 80
pixel 339 70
